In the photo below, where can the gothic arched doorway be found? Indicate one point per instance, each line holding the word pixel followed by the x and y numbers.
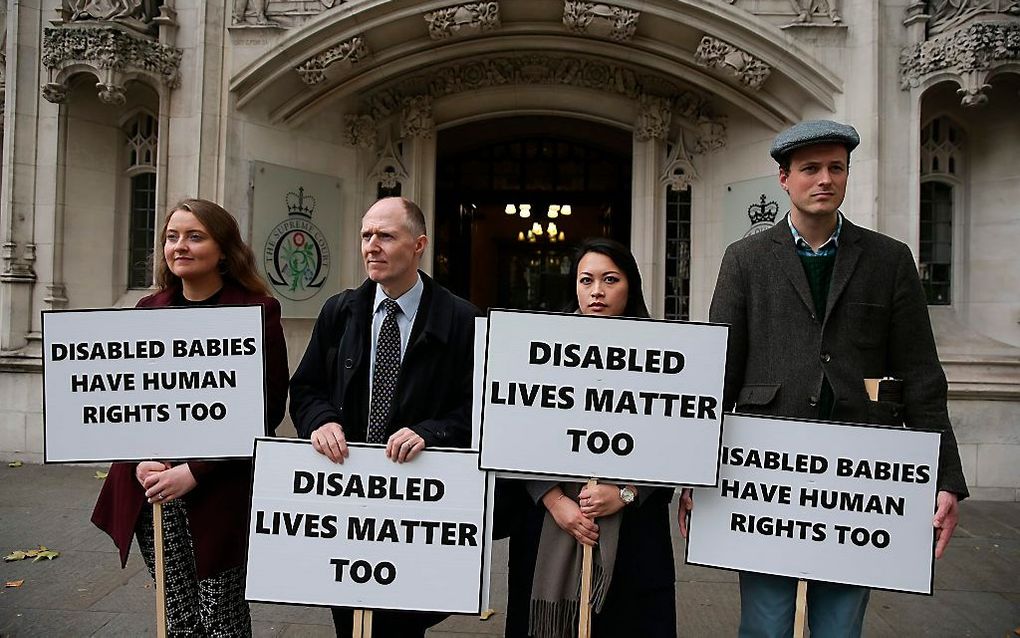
pixel 514 197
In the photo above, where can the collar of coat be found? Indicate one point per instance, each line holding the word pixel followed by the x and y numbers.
pixel 434 320
pixel 847 257
pixel 230 294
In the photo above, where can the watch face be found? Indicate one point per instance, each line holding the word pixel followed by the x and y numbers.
pixel 627 495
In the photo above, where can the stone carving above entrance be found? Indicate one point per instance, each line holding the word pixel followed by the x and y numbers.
pixel 533 69
pixel 416 117
pixel 140 15
pixel 359 131
pixel 749 70
pixel 655 94
pixel 654 116
pixel 979 41
pixel 463 20
pixel 313 70
pixel 796 13
pixel 278 14
pixel 948 14
pixel 679 172
pixel 112 53
pixel 598 19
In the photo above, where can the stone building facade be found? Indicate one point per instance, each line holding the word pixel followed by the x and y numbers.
pixel 650 118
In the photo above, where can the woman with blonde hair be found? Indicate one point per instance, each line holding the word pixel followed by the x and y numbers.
pixel 205 503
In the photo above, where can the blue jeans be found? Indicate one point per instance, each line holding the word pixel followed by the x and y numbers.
pixel 768 605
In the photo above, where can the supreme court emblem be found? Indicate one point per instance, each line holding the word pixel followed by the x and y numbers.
pixel 296 254
pixel 762 215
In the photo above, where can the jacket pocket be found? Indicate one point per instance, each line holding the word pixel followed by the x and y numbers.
pixel 869 324
pixel 885 413
pixel 757 395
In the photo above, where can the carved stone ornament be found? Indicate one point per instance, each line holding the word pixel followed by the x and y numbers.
pixel 139 15
pixel 313 70
pixel 603 20
pixel 531 70
pixel 679 172
pixel 277 14
pixel 749 70
pixel 15 269
pixel 112 53
pixel 711 134
pixel 388 170
pixel 359 131
pixel 654 117
pixel 949 14
pixel 801 13
pixel 970 53
pixel 463 19
pixel 416 117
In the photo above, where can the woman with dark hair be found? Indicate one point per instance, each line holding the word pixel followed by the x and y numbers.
pixel 205 503
pixel 633 591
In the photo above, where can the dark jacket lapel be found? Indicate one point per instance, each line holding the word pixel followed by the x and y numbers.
pixel 785 252
pixel 847 255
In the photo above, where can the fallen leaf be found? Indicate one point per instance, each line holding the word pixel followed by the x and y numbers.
pixel 15 464
pixel 48 555
pixel 101 475
pixel 36 554
pixel 487 614
pixel 14 583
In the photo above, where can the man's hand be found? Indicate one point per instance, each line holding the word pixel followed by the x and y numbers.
pixel 404 445
pixel 165 486
pixel 147 468
pixel 329 440
pixel 686 505
pixel 568 516
pixel 600 500
pixel 946 517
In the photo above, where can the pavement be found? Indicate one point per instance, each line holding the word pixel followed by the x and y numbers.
pixel 84 592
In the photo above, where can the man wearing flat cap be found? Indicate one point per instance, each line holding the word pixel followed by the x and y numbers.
pixel 817 305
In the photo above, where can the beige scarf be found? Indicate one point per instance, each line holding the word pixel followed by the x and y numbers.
pixel 556 585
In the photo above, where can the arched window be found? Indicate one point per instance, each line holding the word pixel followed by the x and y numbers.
pixel 141 133
pixel 941 171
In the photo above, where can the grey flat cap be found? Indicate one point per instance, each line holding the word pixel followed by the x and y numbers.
pixel 813 132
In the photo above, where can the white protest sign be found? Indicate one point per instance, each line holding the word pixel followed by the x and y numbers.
pixel 609 397
pixel 370 533
pixel 839 503
pixel 161 383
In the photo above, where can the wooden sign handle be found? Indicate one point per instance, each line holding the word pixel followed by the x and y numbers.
pixel 157 528
pixel 362 623
pixel 800 619
pixel 584 618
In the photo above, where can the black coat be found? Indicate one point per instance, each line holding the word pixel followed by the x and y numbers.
pixel 433 395
pixel 876 325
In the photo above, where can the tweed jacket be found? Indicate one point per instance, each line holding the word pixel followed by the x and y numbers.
pixel 433 395
pixel 876 325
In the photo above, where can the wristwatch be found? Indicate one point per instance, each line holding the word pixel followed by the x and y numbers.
pixel 627 495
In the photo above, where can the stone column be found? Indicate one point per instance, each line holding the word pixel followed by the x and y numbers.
pixel 648 199
pixel 193 136
pixel 18 176
pixel 417 130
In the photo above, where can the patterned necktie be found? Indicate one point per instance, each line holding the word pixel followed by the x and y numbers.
pixel 384 375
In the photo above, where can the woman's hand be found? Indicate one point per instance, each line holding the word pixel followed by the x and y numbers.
pixel 165 486
pixel 146 469
pixel 686 505
pixel 600 500
pixel 568 516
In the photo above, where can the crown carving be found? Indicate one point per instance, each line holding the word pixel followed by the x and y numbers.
pixel 300 204
pixel 763 211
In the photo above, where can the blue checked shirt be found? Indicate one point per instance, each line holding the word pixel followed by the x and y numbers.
pixel 825 250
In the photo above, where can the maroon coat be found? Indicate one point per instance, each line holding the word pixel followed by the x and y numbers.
pixel 218 506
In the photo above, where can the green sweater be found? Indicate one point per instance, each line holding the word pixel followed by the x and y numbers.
pixel 819 275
